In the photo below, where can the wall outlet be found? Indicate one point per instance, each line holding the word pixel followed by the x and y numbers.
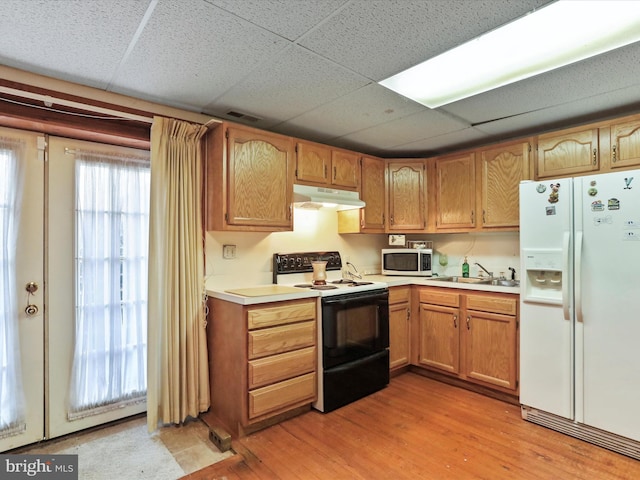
pixel 228 251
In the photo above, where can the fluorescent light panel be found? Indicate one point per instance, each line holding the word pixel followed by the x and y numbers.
pixel 561 33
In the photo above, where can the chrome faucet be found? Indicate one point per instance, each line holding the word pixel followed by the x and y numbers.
pixel 352 274
pixel 487 271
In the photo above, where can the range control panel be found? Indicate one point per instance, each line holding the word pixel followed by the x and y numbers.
pixel 284 263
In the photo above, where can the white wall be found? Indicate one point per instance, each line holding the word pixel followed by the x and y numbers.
pixel 317 230
pixel 314 230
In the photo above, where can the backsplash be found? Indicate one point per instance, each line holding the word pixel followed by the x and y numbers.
pixel 316 230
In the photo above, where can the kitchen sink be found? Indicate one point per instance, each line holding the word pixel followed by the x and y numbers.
pixel 484 280
pixel 505 283
pixel 502 282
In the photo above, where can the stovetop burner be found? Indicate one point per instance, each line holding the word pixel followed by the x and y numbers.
pixel 316 287
pixel 350 283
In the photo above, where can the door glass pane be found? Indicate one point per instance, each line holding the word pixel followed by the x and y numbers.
pixel 112 229
pixel 11 394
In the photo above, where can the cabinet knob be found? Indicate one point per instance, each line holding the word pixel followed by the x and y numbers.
pixel 613 157
pixel 455 321
pixel 468 322
pixel 595 156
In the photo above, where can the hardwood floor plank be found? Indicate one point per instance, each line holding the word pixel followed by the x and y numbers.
pixel 418 428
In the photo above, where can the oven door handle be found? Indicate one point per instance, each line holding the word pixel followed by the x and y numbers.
pixel 356 296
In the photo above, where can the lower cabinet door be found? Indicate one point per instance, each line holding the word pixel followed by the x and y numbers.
pixel 277 397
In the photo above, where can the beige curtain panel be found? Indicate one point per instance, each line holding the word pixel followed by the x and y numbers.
pixel 178 374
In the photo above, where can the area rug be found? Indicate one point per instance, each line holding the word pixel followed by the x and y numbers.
pixel 131 454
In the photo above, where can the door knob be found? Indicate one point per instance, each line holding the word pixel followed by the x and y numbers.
pixel 31 310
pixel 31 287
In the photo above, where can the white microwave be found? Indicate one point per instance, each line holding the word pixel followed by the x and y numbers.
pixel 407 261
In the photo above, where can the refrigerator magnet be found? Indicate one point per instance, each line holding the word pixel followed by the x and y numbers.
pixel 553 196
pixel 597 206
pixel 541 188
pixel 613 204
pixel 592 192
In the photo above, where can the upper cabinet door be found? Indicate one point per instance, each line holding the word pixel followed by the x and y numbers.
pixel 455 192
pixel 260 186
pixel 313 162
pixel 569 153
pixel 502 168
pixel 372 194
pixel 406 187
pixel 318 164
pixel 625 144
pixel 345 169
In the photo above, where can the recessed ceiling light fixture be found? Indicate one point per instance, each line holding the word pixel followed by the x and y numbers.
pixel 558 34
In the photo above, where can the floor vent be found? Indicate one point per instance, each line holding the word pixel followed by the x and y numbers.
pixel 607 440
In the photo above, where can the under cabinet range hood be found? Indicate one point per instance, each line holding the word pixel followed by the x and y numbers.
pixel 315 198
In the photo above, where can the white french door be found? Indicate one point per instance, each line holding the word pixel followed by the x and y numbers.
pixel 88 295
pixel 27 269
pixel 70 286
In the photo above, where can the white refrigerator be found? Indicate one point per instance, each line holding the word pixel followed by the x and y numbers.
pixel 580 307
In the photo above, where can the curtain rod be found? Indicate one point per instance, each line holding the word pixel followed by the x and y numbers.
pixel 49 101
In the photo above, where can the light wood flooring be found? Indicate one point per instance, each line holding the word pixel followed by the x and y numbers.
pixel 418 428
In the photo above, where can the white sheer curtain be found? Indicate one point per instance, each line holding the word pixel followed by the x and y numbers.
pixel 112 231
pixel 11 394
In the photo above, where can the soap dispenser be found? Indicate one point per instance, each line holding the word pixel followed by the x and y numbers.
pixel 465 268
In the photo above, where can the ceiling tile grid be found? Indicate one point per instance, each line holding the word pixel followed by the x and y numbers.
pixel 309 68
pixel 295 81
pixel 191 52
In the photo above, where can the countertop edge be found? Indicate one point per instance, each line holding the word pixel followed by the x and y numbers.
pixel 390 280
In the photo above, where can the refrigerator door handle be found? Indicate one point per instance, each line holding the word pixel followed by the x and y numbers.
pixel 578 276
pixel 566 237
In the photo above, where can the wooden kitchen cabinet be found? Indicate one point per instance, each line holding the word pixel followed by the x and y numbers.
pixel 439 346
pixel 262 362
pixel 399 326
pixel 248 180
pixel 501 168
pixel 471 336
pixel 625 145
pixel 491 353
pixel 455 192
pixel 406 186
pixel 371 218
pixel 568 152
pixel 318 164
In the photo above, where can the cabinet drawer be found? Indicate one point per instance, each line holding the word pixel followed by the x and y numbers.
pixel 280 315
pixel 280 367
pixel 399 294
pixel 507 306
pixel 280 395
pixel 270 341
pixel 440 297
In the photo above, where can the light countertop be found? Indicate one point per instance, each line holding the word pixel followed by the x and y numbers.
pixel 290 293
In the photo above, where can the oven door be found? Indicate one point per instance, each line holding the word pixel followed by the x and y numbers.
pixel 354 326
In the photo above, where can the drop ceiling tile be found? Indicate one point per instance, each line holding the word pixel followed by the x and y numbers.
pixel 381 38
pixel 292 83
pixel 616 103
pixel 363 108
pixel 289 18
pixel 412 128
pixel 607 72
pixel 191 52
pixel 445 143
pixel 74 40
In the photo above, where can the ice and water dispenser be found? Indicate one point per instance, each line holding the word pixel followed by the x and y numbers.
pixel 543 270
